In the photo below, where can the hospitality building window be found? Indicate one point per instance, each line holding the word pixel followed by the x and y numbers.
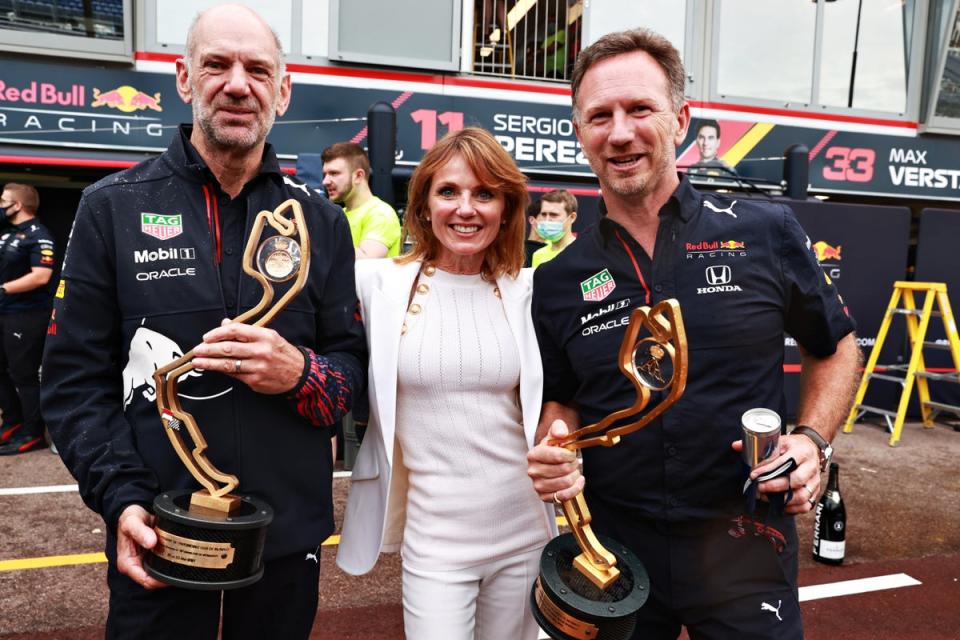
pixel 86 28
pixel 534 39
pixel 825 54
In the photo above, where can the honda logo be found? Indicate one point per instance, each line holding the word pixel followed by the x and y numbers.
pixel 718 274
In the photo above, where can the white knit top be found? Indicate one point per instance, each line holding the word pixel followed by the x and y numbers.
pixel 460 429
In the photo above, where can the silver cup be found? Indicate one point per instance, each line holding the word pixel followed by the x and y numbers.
pixel 761 434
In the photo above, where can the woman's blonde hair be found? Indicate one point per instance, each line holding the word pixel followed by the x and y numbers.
pixel 496 170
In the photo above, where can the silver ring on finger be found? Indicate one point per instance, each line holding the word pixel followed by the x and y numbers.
pixel 236 365
pixel 556 499
pixel 809 490
pixel 812 501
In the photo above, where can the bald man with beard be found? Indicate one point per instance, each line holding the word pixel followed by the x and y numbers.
pixel 154 266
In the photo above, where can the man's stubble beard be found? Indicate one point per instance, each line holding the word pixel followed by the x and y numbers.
pixel 203 116
pixel 341 199
pixel 640 185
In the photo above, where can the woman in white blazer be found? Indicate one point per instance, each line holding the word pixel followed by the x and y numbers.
pixel 455 387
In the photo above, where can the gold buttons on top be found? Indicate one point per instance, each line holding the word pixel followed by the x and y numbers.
pixel 414 309
pixel 403 329
pixel 496 291
pixel 422 288
pixel 429 270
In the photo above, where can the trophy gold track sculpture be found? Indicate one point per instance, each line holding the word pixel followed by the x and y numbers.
pixel 591 587
pixel 212 538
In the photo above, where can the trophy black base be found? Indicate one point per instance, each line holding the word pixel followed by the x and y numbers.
pixel 568 606
pixel 199 548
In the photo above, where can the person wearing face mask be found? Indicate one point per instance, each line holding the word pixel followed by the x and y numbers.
pixel 558 210
pixel 26 265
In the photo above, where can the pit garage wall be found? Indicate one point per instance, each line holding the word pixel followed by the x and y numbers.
pixel 938 260
pixel 863 249
pixel 61 104
pixel 76 108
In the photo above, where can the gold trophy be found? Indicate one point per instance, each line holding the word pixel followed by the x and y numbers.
pixel 591 587
pixel 211 538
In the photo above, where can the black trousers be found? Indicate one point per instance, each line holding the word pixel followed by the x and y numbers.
pixel 21 350
pixel 282 604
pixel 731 578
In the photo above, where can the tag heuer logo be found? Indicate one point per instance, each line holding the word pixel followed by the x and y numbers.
pixel 598 286
pixel 160 226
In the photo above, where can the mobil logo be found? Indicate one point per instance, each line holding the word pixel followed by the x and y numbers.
pixel 175 253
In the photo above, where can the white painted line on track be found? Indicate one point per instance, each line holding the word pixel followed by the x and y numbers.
pixel 68 488
pixel 851 587
pixel 22 491
pixel 844 588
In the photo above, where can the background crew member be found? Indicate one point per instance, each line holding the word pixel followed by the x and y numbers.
pixel 558 210
pixel 454 403
pixel 26 263
pixel 533 241
pixel 374 224
pixel 672 492
pixel 263 396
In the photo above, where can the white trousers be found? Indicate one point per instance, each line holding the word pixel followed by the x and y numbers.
pixel 487 602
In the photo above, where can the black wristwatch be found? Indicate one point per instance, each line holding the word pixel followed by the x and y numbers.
pixel 825 448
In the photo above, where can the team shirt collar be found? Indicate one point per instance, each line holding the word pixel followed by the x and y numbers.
pixel 682 203
pixel 194 162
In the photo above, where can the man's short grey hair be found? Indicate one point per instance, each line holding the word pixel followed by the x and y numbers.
pixel 191 47
pixel 621 42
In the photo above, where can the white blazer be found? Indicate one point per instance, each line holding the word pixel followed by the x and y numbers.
pixel 376 508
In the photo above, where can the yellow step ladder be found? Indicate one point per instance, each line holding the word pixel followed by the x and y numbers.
pixel 918 320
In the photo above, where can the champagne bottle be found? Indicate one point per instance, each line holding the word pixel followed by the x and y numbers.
pixel 830 526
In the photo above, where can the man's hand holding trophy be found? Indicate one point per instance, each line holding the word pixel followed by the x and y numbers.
pixel 591 586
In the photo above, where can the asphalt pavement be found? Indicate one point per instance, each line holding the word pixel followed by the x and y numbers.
pixel 903 517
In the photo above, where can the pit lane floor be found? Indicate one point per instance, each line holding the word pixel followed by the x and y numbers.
pixel 903 517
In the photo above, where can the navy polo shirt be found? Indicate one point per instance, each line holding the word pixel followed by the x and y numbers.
pixel 744 275
pixel 23 247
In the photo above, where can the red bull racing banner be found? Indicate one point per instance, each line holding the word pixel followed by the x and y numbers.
pixel 862 249
pixel 82 106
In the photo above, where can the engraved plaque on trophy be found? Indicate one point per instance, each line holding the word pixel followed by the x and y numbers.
pixel 212 538
pixel 591 587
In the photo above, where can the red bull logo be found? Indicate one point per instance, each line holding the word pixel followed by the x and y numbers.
pixel 44 93
pixel 126 99
pixel 825 252
pixel 715 245
pixel 732 244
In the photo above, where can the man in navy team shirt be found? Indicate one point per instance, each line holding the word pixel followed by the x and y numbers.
pixel 744 276
pixel 27 260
